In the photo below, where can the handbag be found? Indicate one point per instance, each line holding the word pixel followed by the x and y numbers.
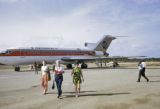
pixel 49 75
pixel 53 85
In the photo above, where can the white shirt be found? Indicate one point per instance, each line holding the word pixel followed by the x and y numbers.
pixel 140 66
pixel 143 65
pixel 44 69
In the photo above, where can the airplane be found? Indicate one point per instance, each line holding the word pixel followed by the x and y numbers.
pixel 29 55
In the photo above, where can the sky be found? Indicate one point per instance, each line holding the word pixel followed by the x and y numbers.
pixel 71 23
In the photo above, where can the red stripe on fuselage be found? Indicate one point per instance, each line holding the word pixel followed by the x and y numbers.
pixel 47 53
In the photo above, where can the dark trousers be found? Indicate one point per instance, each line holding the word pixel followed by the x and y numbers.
pixel 142 73
pixel 59 79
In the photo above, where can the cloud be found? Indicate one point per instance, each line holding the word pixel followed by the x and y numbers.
pixel 146 1
pixel 44 31
pixel 88 21
pixel 10 1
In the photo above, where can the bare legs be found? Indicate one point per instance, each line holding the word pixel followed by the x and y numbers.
pixel 77 89
pixel 44 83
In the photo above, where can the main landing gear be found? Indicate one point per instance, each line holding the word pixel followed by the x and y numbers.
pixel 17 68
pixel 83 66
pixel 69 66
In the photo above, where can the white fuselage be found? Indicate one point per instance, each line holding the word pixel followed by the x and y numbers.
pixel 18 56
pixel 21 56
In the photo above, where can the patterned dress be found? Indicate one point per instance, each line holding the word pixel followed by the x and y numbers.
pixel 77 75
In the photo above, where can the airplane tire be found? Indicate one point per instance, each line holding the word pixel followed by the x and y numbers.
pixel 69 66
pixel 84 66
pixel 17 69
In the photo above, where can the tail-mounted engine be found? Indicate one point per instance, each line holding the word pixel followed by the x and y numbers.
pixel 101 53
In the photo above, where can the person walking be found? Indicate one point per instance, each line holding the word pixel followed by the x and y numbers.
pixel 35 68
pixel 142 69
pixel 44 77
pixel 59 78
pixel 77 78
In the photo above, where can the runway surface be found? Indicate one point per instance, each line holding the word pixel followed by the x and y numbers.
pixel 102 89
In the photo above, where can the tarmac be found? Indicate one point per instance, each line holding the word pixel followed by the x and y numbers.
pixel 102 88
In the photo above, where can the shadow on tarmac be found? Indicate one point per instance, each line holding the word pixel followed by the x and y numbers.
pixel 69 92
pixel 88 93
pixel 154 76
pixel 95 94
pixel 154 81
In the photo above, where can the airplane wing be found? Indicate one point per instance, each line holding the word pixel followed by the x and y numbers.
pixel 91 59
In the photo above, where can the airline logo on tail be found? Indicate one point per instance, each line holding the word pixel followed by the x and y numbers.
pixel 101 45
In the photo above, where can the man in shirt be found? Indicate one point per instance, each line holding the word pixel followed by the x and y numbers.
pixel 142 69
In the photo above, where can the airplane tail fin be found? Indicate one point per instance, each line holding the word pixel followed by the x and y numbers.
pixel 101 45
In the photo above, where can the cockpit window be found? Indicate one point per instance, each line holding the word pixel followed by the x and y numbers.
pixel 5 52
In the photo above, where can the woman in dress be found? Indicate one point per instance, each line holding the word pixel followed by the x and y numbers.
pixel 77 78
